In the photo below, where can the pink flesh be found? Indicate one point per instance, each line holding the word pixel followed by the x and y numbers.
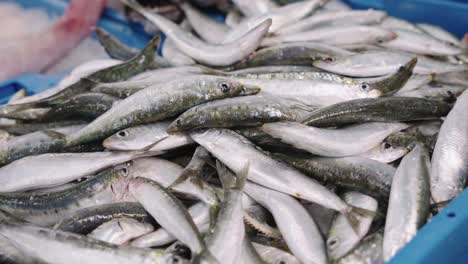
pixel 36 52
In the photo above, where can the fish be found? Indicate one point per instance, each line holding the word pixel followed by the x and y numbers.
pixel 382 62
pixel 201 218
pixel 52 246
pixel 307 245
pixel 87 219
pixel 256 8
pixel 342 238
pixel 169 212
pixel 119 231
pixel 152 137
pixel 225 239
pixel 440 33
pixel 57 168
pixel 368 251
pixel 346 141
pixel 442 92
pixel 249 253
pixel 339 18
pixel 45 209
pixel 233 150
pixel 233 112
pixel 383 109
pixel 201 51
pixel 52 43
pixel 151 105
pixel 356 173
pixel 387 152
pixel 409 203
pixel 450 157
pixel 19 129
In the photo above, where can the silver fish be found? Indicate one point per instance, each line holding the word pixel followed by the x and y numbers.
pixel 450 159
pixel 408 206
pixel 119 231
pixel 273 255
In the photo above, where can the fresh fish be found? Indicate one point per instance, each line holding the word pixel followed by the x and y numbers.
pixel 32 114
pixel 409 202
pixel 51 44
pixel 9 253
pixel 456 78
pixel 169 212
pixel 421 44
pixel 307 245
pixel 249 253
pixel 118 50
pixel 114 73
pixel 279 17
pixel 344 35
pixel 246 111
pixel 437 92
pixel 384 109
pixel 209 29
pixel 255 8
pixel 226 238
pixel 200 214
pixel 394 23
pixel 342 238
pixel 340 18
pixel 440 33
pixel 165 173
pixel 360 174
pixel 209 54
pixel 273 69
pixel 322 216
pixel 369 251
pixel 139 82
pixel 300 53
pixel 144 136
pixel 87 219
pixel 335 5
pixel 450 158
pixel 56 169
pixel 46 209
pixel 74 76
pixel 119 231
pixel 175 57
pixel 273 255
pixel 34 144
pixel 378 63
pixel 234 151
pixel 158 103
pixel 348 141
pixel 54 246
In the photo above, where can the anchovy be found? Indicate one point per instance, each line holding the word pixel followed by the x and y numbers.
pixel 385 109
pixel 450 158
pixel 119 231
pixel 48 208
pixel 87 219
pixel 246 111
pixel 144 136
pixel 54 246
pixel 209 54
pixel 307 245
pixel 152 104
pixel 56 169
pixel 347 141
pixel 360 174
pixel 409 202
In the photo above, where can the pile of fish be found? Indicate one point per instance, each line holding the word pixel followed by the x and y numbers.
pixel 305 132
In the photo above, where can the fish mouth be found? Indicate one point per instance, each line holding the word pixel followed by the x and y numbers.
pixel 250 89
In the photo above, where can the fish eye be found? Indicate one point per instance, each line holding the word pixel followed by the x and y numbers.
pixel 282 262
pixel 123 133
pixel 124 171
pixel 387 145
pixel 365 86
pixel 224 86
pixel 174 260
pixel 329 59
pixel 333 243
pixel 451 44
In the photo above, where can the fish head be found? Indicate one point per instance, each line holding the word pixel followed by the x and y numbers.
pixel 225 87
pixel 120 183
pixel 125 139
pixel 381 35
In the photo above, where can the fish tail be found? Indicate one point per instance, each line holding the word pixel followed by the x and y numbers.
pixel 353 214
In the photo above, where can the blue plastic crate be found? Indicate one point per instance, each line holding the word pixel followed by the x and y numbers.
pixel 444 239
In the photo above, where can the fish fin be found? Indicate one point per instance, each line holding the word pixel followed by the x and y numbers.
pixel 148 52
pixel 184 175
pixel 242 176
pixel 54 134
pixel 395 81
pixel 260 227
pixel 227 178
pixel 193 170
pixel 150 146
pixel 214 210
pixel 352 218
